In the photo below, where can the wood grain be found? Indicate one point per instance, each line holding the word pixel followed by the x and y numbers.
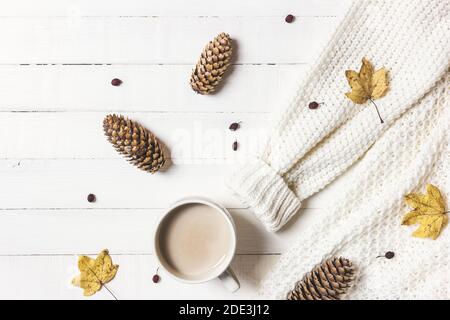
pixel 141 40
pixel 173 8
pixel 57 60
pixel 146 88
pixel 65 183
pixel 48 277
pixel 122 231
pixel 191 137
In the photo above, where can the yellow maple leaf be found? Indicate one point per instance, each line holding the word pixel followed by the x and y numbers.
pixel 367 84
pixel 95 273
pixel 429 212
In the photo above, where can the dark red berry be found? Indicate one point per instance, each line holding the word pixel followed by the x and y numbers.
pixel 289 18
pixel 387 255
pixel 116 82
pixel 91 197
pixel 234 126
pixel 156 278
pixel 235 145
pixel 313 105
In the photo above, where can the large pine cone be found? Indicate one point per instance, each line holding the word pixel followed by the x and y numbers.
pixel 214 61
pixel 327 281
pixel 137 144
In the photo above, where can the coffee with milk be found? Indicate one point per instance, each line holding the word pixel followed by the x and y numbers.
pixel 194 241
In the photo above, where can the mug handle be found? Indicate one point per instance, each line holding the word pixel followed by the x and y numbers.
pixel 229 280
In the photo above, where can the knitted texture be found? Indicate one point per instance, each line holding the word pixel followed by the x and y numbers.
pixel 365 221
pixel 307 149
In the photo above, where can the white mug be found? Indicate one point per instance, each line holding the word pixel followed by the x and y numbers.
pixel 223 270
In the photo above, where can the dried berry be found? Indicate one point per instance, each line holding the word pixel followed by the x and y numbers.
pixel 387 255
pixel 313 105
pixel 91 197
pixel 289 18
pixel 234 126
pixel 235 145
pixel 116 82
pixel 156 277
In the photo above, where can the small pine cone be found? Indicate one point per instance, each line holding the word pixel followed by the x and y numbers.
pixel 213 62
pixel 327 281
pixel 137 144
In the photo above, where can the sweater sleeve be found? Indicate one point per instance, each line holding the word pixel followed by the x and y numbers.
pixel 307 149
pixel 364 220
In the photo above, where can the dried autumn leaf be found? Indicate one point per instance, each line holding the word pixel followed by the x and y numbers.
pixel 95 273
pixel 367 84
pixel 429 212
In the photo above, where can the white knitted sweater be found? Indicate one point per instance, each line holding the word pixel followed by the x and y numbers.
pixel 309 148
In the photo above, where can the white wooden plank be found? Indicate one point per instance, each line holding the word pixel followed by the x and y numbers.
pixel 123 231
pixel 52 160
pixel 248 88
pixel 65 183
pixel 171 8
pixel 160 40
pixel 48 277
pixel 117 184
pixel 191 137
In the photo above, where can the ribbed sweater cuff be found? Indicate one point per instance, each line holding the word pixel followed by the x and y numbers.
pixel 259 186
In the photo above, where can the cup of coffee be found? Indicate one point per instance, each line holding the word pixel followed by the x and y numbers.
pixel 195 241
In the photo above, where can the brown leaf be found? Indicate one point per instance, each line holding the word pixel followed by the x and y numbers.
pixel 367 84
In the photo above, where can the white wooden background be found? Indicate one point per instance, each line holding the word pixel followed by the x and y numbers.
pixel 57 59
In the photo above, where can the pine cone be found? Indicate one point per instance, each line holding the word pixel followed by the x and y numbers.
pixel 137 144
pixel 214 61
pixel 327 281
